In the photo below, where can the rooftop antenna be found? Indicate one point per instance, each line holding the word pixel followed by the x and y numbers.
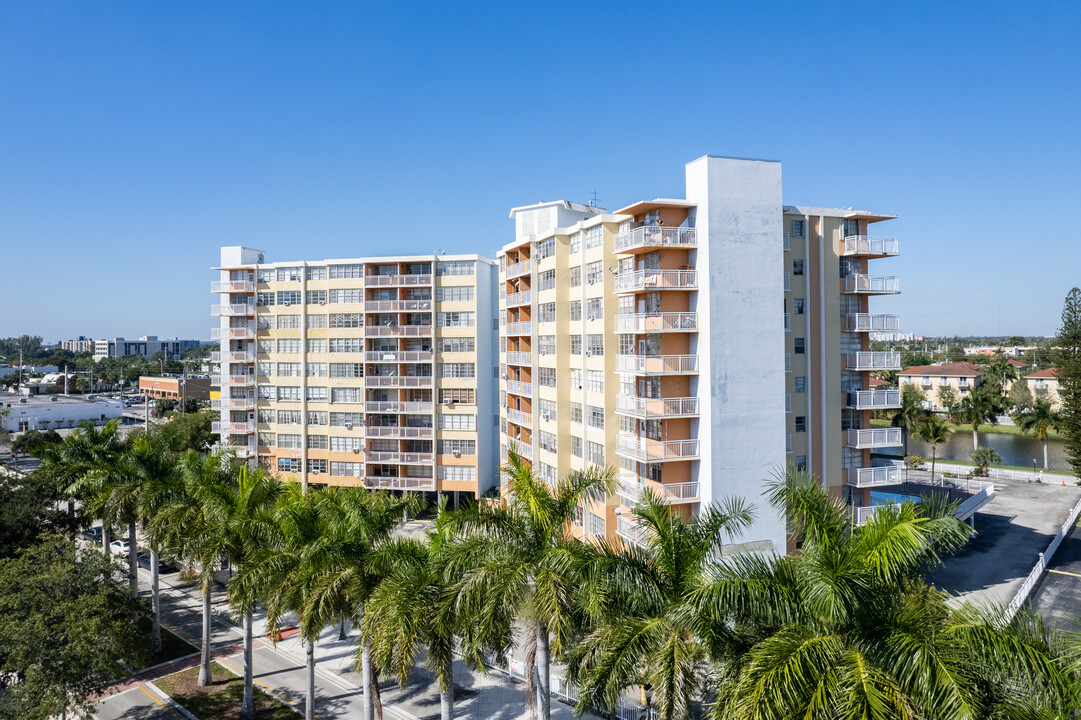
pixel 593 201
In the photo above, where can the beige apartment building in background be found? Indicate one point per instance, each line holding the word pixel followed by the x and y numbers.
pixel 696 345
pixel 374 371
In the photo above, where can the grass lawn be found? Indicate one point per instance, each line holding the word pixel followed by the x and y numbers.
pixel 998 429
pixel 172 647
pixel 221 699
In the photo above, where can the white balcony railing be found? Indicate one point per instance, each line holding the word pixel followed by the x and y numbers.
pixel 520 268
pixel 519 298
pixel 788 282
pixel 396 406
pixel 630 530
pixel 233 286
pixel 398 306
pixel 874 476
pixel 245 309
pixel 888 360
pixel 873 438
pixel 398 380
pixel 519 328
pixel 373 482
pixel 872 284
pixel 642 280
pixel 408 279
pixel 656 407
pixel 657 364
pixel 651 236
pixel 519 358
pixel 646 450
pixel 233 357
pixel 874 399
pixel 523 450
pixel 233 427
pixel 657 322
pixel 398 330
pixel 232 380
pixel 517 387
pixel 520 418
pixel 867 322
pixel 630 487
pixel 400 356
pixel 396 431
pixel 233 403
pixel 399 458
pixel 868 245
pixel 244 333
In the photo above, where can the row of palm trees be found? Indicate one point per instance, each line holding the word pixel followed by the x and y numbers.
pixel 846 627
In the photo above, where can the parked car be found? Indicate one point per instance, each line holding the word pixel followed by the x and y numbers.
pixel 119 547
pixel 144 561
pixel 93 534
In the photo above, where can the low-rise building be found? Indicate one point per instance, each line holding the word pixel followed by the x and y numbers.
pixel 146 347
pixel 45 412
pixel 79 344
pixel 962 377
pixel 1044 386
pixel 175 388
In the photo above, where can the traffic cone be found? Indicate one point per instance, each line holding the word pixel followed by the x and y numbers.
pixel 1063 483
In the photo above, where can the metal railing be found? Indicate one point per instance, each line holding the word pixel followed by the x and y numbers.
pixel 519 358
pixel 399 457
pixel 396 406
pixel 232 380
pixel 872 284
pixel 232 404
pixel 400 356
pixel 247 426
pixel 244 333
pixel 787 242
pixel 519 298
pixel 788 282
pixel 519 268
pixel 869 245
pixel 646 450
pixel 657 322
pixel 788 322
pixel 398 330
pixel 874 399
pixel 519 328
pixel 873 438
pixel 657 364
pixel 873 476
pixel 397 431
pixel 520 388
pixel 639 280
pixel 867 322
pixel 398 380
pixel 629 530
pixel 889 360
pixel 384 280
pixel 232 310
pixel 398 306
pixel 1021 596
pixel 649 236
pixel 375 482
pixel 233 286
pixel 656 407
pixel 520 418
pixel 632 488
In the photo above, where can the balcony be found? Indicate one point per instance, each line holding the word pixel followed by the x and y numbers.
pixel 657 364
pixel 400 280
pixel 403 356
pixel 655 236
pixel 873 361
pixel 628 529
pixel 398 330
pixel 395 431
pixel 233 403
pixel 232 357
pixel 517 269
pixel 517 387
pixel 519 298
pixel 872 284
pixel 519 358
pixel 873 399
pixel 520 418
pixel 232 380
pixel 225 428
pixel 399 458
pixel 646 450
pixel 657 322
pixel 868 246
pixel 866 322
pixel 874 476
pixel 233 286
pixel 631 488
pixel 410 381
pixel 653 408
pixel 244 309
pixel 243 333
pixel 519 328
pixel 398 306
pixel 520 448
pixel 375 482
pixel 876 438
pixel 643 280
pixel 396 406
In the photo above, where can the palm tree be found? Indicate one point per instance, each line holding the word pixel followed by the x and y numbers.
pixel 1039 419
pixel 983 457
pixel 910 412
pixel 848 629
pixel 86 456
pixel 520 561
pixel 644 629
pixel 933 430
pixel 978 407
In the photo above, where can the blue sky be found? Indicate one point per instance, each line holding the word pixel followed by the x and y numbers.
pixel 137 138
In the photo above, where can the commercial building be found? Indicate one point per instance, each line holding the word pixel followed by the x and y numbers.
pixel 45 412
pixel 697 345
pixel 175 388
pixel 374 371
pixel 79 344
pixel 145 347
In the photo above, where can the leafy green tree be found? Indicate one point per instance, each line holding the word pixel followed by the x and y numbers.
pixel 1020 396
pixel 1038 420
pixel 947 398
pixel 910 412
pixel 911 359
pixel 955 354
pixel 31 441
pixel 27 511
pixel 519 562
pixel 977 408
pixel 1068 371
pixel 191 431
pixel 983 457
pixel 998 375
pixel 65 625
pixel 934 431
pixel 644 627
pixel 87 459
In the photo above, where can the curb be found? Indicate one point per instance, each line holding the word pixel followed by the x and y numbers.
pixel 170 703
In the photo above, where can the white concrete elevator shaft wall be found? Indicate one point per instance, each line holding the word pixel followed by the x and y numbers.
pixel 740 259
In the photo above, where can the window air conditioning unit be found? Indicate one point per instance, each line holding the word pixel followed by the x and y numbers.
pixel 356 451
pixel 322 302
pixel 589 353
pixel 546 416
pixel 592 317
pixel 448 401
pixel 457 453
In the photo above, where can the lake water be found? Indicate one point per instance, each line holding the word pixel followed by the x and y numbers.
pixel 1014 449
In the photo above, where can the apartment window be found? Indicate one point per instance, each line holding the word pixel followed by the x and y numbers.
pixel 576 344
pixel 595 379
pixel 576 379
pixel 316 297
pixel 576 412
pixel 291 465
pixel 594 308
pixel 289 442
pixel 547 410
pixel 547 473
pixel 801 462
pixel 289 345
pixel 346 320
pixel 546 377
pixel 266 439
pixel 317 442
pixel 544 248
pixel 266 416
pixel 800 383
pixel 346 370
pixel 316 393
pixel 346 345
pixel 547 441
pixel 317 466
pixel 595 344
pixel 594 524
pixel 596 417
pixel 315 369
pixel 264 299
pixel 316 273
pixel 457 422
pixel 346 444
pixel 798 228
pixel 576 310
pixel 456 319
pixel 316 345
pixel 456 370
pixel 454 294
pixel 457 447
pixel 799 346
pixel 288 322
pixel 266 275
pixel 289 369
pixel 546 280
pixel 576 277
pixel 798 306
pixel 575 243
pixel 594 272
pixel 456 344
pixel 264 369
pixel 346 395
pixel 346 419
pixel 264 322
pixel 801 423
pixel 594 236
pixel 347 469
pixel 346 295
pixel 462 396
pixel 797 267
pixel 576 446
pixel 596 452
pixel 288 392
pixel 546 344
pixel 289 297
pixel 316 322
pixel 454 267
pixel 346 272
pixel 289 274
pixel 546 312
pixel 288 417
pixel 317 417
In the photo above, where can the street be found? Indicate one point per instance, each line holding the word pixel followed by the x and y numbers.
pixel 1057 597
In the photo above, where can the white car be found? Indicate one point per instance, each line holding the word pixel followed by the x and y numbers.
pixel 119 547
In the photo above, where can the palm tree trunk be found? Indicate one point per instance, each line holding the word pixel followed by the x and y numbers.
pixel 133 561
pixel 341 628
pixel 544 698
pixel 248 708
pixel 309 680
pixel 446 705
pixel 904 437
pixel 155 598
pixel 933 453
pixel 367 706
pixel 106 538
pixel 1045 453
pixel 204 651
pixel 975 437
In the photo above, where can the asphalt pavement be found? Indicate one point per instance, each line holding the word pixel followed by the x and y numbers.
pixel 1057 597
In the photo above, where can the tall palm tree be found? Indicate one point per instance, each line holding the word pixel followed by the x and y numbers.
pixel 978 407
pixel 848 628
pixel 910 412
pixel 1039 419
pixel 86 457
pixel 933 430
pixel 644 629
pixel 520 561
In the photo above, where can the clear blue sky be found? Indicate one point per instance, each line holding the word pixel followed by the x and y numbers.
pixel 138 137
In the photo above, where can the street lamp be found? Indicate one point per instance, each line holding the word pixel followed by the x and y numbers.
pixel 1034 469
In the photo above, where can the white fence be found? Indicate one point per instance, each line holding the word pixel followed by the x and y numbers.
pixel 1041 565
